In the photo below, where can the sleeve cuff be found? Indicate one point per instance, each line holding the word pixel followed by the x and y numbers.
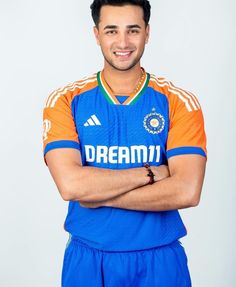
pixel 185 150
pixel 61 144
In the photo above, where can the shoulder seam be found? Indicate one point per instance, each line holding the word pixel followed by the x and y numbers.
pixel 55 95
pixel 186 97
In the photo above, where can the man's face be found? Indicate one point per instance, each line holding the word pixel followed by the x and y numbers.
pixel 122 35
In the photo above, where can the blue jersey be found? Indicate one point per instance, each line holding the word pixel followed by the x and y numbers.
pixel 120 132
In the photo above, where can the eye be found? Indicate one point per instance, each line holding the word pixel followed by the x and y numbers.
pixel 133 31
pixel 111 32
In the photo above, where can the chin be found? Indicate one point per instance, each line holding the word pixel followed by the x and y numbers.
pixel 125 66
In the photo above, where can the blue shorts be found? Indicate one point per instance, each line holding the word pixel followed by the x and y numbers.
pixel 164 266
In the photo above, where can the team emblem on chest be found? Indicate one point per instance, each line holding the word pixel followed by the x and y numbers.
pixel 154 122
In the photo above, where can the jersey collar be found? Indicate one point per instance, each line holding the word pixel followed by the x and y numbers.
pixel 111 98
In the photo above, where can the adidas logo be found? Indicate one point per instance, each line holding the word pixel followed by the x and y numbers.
pixel 92 121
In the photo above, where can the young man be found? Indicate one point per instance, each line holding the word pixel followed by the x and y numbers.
pixel 108 140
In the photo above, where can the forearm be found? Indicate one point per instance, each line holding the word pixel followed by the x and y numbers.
pixel 96 184
pixel 167 194
pixel 180 190
pixel 161 196
pixel 106 184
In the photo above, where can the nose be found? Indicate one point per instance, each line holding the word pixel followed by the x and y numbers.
pixel 123 40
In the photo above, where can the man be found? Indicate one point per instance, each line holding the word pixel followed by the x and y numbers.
pixel 108 140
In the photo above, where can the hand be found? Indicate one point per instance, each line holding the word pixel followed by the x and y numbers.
pixel 160 172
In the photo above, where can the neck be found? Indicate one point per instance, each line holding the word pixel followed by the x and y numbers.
pixel 122 82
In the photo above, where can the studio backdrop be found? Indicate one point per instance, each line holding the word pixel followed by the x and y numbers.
pixel 48 44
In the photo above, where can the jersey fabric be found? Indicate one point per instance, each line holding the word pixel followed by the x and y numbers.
pixel 155 123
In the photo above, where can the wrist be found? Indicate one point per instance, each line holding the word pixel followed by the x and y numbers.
pixel 161 172
pixel 149 174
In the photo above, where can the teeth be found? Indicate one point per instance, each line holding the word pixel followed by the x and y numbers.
pixel 122 53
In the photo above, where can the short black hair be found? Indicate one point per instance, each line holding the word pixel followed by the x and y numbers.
pixel 97 5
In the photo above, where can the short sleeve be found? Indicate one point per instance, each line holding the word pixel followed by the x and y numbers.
pixel 59 125
pixel 186 130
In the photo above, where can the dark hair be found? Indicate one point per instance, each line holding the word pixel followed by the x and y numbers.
pixel 97 5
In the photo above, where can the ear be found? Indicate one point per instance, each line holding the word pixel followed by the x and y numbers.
pixel 96 34
pixel 147 33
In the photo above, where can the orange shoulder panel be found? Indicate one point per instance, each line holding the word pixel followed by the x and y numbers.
pixel 186 123
pixel 58 120
pixel 72 90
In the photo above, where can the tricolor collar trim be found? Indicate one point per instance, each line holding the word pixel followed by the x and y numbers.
pixel 131 99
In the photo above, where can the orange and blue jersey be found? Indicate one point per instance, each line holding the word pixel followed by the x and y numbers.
pixel 156 122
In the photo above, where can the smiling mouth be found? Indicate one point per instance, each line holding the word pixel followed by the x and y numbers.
pixel 123 54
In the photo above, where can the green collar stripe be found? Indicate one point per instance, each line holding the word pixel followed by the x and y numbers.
pixel 110 98
pixel 145 84
pixel 105 92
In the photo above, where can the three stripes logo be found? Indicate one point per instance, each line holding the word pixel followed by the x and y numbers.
pixel 54 96
pixel 189 99
pixel 92 121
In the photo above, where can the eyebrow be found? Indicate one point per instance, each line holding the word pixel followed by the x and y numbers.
pixel 110 27
pixel 134 26
pixel 116 27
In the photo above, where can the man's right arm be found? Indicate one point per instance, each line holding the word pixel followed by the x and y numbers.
pixel 81 183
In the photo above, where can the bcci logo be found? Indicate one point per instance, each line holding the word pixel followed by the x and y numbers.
pixel 154 123
pixel 46 128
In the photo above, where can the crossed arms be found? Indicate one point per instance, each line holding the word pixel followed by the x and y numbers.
pixel 177 186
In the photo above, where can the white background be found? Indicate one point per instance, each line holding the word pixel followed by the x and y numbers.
pixel 47 44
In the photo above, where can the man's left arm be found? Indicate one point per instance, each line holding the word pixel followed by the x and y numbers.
pixel 182 189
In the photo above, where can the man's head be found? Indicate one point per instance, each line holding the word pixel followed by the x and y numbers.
pixel 97 5
pixel 122 30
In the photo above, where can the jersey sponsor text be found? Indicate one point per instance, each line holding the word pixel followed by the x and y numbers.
pixel 122 154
